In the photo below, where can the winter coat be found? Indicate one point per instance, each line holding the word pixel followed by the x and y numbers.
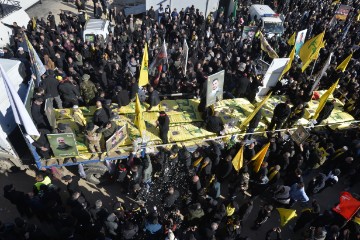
pixel 298 194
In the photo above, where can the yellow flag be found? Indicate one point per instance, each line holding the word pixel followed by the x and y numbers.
pixel 309 51
pixel 33 21
pixel 251 116
pixel 324 98
pixel 139 120
pixel 358 16
pixel 286 215
pixel 291 40
pixel 259 157
pixel 344 63
pixel 265 46
pixel 144 70
pixel 238 160
pixel 288 65
pixel 197 162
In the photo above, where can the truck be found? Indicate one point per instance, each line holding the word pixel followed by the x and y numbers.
pixel 96 28
pixel 271 22
pixel 16 149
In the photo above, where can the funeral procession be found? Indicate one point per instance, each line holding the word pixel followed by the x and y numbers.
pixel 179 120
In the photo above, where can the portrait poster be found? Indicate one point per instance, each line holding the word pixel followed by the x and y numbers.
pixel 115 140
pixel 63 144
pixel 50 113
pixel 300 135
pixel 215 88
pixel 342 12
pixel 249 32
pixel 300 40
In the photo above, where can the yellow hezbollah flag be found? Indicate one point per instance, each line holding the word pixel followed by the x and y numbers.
pixel 238 160
pixel 144 70
pixel 265 46
pixel 197 162
pixel 324 98
pixel 344 63
pixel 258 107
pixel 139 120
pixel 291 40
pixel 358 16
pixel 259 157
pixel 288 65
pixel 309 51
pixel 33 21
pixel 286 215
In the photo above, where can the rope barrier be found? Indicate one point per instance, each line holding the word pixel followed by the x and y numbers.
pixel 243 134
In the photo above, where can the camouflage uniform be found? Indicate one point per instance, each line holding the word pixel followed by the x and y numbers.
pixel 79 119
pixel 94 140
pixel 87 89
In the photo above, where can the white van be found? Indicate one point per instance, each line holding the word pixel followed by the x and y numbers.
pixel 271 22
pixel 94 27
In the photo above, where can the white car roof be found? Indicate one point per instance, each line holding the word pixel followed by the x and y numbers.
pixel 95 24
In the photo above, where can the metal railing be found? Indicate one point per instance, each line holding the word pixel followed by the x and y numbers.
pixel 7 7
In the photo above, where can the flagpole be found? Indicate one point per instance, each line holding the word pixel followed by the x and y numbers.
pixel 312 70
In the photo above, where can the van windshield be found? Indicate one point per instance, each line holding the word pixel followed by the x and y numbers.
pixel 273 27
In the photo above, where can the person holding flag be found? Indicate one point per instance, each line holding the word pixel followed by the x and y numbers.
pixel 144 70
pixel 310 50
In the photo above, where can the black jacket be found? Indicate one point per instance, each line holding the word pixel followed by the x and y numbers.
pixel 50 85
pixel 326 111
pixel 214 124
pixel 68 91
pixel 122 98
pixel 164 122
pixel 100 117
pixel 38 116
pixel 282 111
pixel 256 120
pixel 154 98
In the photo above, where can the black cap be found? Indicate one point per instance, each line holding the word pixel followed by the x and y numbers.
pixel 90 127
pixel 66 178
pixel 62 126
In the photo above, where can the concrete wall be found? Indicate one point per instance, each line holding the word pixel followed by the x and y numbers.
pixel 205 6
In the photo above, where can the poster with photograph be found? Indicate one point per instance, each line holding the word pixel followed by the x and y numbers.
pixel 215 88
pixel 342 12
pixel 249 32
pixel 300 135
pixel 300 40
pixel 50 113
pixel 63 144
pixel 114 141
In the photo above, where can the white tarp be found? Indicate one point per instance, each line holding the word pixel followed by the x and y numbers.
pixel 20 113
pixel 272 75
pixel 25 4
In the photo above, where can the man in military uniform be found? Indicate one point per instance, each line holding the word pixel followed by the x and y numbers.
pixel 93 138
pixel 87 89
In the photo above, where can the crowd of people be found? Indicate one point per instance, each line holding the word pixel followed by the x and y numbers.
pixel 175 193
